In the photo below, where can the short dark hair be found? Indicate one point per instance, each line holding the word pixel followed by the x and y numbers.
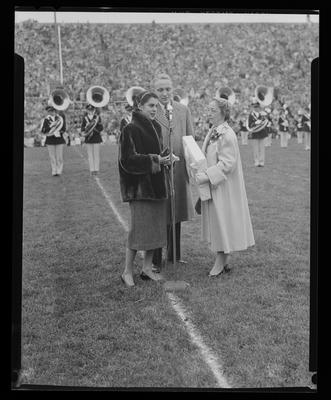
pixel 143 98
pixel 161 76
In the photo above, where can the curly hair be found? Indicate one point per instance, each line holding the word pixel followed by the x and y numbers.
pixel 224 107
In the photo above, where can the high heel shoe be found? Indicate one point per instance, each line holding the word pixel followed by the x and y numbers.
pixel 125 281
pixel 215 276
pixel 146 277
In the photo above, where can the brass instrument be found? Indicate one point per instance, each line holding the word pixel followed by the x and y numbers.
pixel 97 96
pixel 91 125
pixel 263 122
pixel 226 93
pixel 59 99
pixel 264 95
pixel 132 92
pixel 56 126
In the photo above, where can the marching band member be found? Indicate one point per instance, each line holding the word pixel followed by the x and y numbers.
pixel 53 127
pixel 283 128
pixel 256 124
pixel 300 128
pixel 127 117
pixel 182 124
pixel 91 130
pixel 306 128
pixel 226 223
pixel 243 131
pixel 268 139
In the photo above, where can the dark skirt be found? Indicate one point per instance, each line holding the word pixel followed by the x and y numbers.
pixel 148 228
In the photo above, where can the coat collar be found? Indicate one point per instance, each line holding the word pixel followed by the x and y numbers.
pixel 220 130
pixel 146 124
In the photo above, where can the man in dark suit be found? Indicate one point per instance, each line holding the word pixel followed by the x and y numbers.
pixel 182 125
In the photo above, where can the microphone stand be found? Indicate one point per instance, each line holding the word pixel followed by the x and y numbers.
pixel 172 187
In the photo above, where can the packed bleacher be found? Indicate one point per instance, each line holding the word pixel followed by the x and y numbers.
pixel 199 58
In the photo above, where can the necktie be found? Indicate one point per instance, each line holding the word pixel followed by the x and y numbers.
pixel 166 112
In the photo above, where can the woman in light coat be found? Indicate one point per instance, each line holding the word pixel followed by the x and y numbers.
pixel 226 222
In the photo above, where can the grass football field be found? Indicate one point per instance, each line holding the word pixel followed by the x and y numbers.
pixel 82 327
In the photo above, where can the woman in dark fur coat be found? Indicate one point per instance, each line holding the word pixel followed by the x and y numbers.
pixel 143 185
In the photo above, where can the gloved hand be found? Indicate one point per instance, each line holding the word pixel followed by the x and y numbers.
pixel 201 177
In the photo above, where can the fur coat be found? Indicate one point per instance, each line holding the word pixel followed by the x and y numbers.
pixel 141 175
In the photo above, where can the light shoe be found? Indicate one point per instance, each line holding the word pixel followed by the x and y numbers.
pixel 126 282
pixel 216 275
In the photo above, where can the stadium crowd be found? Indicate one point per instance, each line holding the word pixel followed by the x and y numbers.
pixel 199 57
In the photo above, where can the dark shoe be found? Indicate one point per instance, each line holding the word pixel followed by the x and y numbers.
pixel 227 268
pixel 144 277
pixel 156 269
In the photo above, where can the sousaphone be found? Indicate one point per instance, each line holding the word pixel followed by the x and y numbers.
pixel 59 99
pixel 226 93
pixel 133 92
pixel 264 95
pixel 97 96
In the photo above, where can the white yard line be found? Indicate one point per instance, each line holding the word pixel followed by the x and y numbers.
pixel 210 359
pixel 111 205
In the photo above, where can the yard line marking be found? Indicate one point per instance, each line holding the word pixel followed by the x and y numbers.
pixel 196 338
pixel 108 198
pixel 111 204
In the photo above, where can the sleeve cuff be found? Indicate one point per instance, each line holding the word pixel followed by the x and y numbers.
pixel 155 163
pixel 215 175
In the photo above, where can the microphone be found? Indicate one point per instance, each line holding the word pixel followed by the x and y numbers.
pixel 170 109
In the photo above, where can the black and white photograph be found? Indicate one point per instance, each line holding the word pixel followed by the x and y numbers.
pixel 166 199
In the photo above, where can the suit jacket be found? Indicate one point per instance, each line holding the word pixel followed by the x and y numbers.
pixel 182 125
pixel 141 175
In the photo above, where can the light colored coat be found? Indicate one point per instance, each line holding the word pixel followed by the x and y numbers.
pixel 182 125
pixel 226 222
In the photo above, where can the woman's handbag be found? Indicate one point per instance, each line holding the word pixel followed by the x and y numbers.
pixel 198 206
